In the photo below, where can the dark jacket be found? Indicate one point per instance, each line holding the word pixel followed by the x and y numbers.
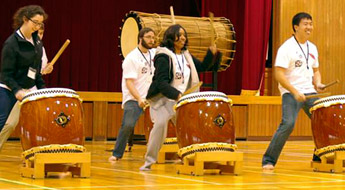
pixel 18 55
pixel 164 75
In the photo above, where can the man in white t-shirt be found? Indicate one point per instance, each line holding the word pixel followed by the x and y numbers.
pixel 137 76
pixel 297 72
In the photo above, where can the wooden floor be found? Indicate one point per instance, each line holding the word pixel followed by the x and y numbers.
pixel 292 172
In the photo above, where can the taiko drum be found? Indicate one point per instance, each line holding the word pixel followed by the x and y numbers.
pixel 51 116
pixel 328 121
pixel 199 30
pixel 204 117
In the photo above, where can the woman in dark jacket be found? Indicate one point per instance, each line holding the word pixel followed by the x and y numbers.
pixel 176 70
pixel 20 66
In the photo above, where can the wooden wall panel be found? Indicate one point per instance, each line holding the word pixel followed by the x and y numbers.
pixel 263 121
pixel 88 119
pixel 240 120
pixel 114 120
pixel 100 112
pixel 328 35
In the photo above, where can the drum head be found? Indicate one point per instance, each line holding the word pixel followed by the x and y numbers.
pixel 129 36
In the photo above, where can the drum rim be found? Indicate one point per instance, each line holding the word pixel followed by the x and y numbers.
pixel 131 14
pixel 47 92
pixel 197 96
pixel 328 101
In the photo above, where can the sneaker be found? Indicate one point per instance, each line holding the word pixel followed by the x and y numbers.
pixel 145 168
pixel 113 159
pixel 268 167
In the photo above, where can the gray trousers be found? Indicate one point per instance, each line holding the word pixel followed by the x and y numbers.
pixel 161 111
pixel 10 124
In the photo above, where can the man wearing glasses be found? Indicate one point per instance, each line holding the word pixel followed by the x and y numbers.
pixel 137 76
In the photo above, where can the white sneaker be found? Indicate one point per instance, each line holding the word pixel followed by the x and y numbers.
pixel 145 168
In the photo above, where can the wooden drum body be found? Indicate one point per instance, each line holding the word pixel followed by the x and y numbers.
pixel 51 116
pixel 198 29
pixel 204 117
pixel 328 124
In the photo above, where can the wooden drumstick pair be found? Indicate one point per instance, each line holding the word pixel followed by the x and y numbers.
pixel 323 94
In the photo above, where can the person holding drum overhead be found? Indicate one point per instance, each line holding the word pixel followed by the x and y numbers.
pixel 20 66
pixel 137 75
pixel 297 71
pixel 176 71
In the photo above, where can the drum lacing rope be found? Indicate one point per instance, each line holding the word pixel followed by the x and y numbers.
pixel 189 151
pixel 328 151
pixel 53 148
pixel 169 141
pixel 213 149
pixel 327 102
pixel 203 96
pixel 160 24
pixel 42 92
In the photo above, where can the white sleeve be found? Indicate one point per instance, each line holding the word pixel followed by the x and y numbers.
pixel 316 59
pixel 282 58
pixel 129 69
pixel 44 59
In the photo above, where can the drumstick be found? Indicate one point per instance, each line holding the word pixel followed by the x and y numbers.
pixel 60 52
pixel 330 84
pixel 192 89
pixel 317 95
pixel 212 28
pixel 172 15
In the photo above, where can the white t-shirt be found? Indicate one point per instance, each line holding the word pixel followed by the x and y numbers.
pixel 298 73
pixel 181 74
pixel 136 67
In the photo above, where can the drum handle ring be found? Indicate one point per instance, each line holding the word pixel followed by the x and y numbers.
pixel 62 119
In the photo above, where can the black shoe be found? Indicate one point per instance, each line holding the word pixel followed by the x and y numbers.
pixel 316 158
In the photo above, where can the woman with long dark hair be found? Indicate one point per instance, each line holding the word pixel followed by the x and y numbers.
pixel 176 70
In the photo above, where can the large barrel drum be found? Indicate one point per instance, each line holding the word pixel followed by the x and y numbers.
pixel 51 116
pixel 199 30
pixel 328 125
pixel 204 117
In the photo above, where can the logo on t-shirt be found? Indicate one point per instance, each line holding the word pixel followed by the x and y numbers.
pixel 178 75
pixel 298 63
pixel 144 70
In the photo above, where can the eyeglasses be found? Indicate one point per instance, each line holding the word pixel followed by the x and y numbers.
pixel 37 23
pixel 149 37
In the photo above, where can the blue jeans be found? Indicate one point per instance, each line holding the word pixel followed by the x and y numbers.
pixel 7 101
pixel 290 109
pixel 131 114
